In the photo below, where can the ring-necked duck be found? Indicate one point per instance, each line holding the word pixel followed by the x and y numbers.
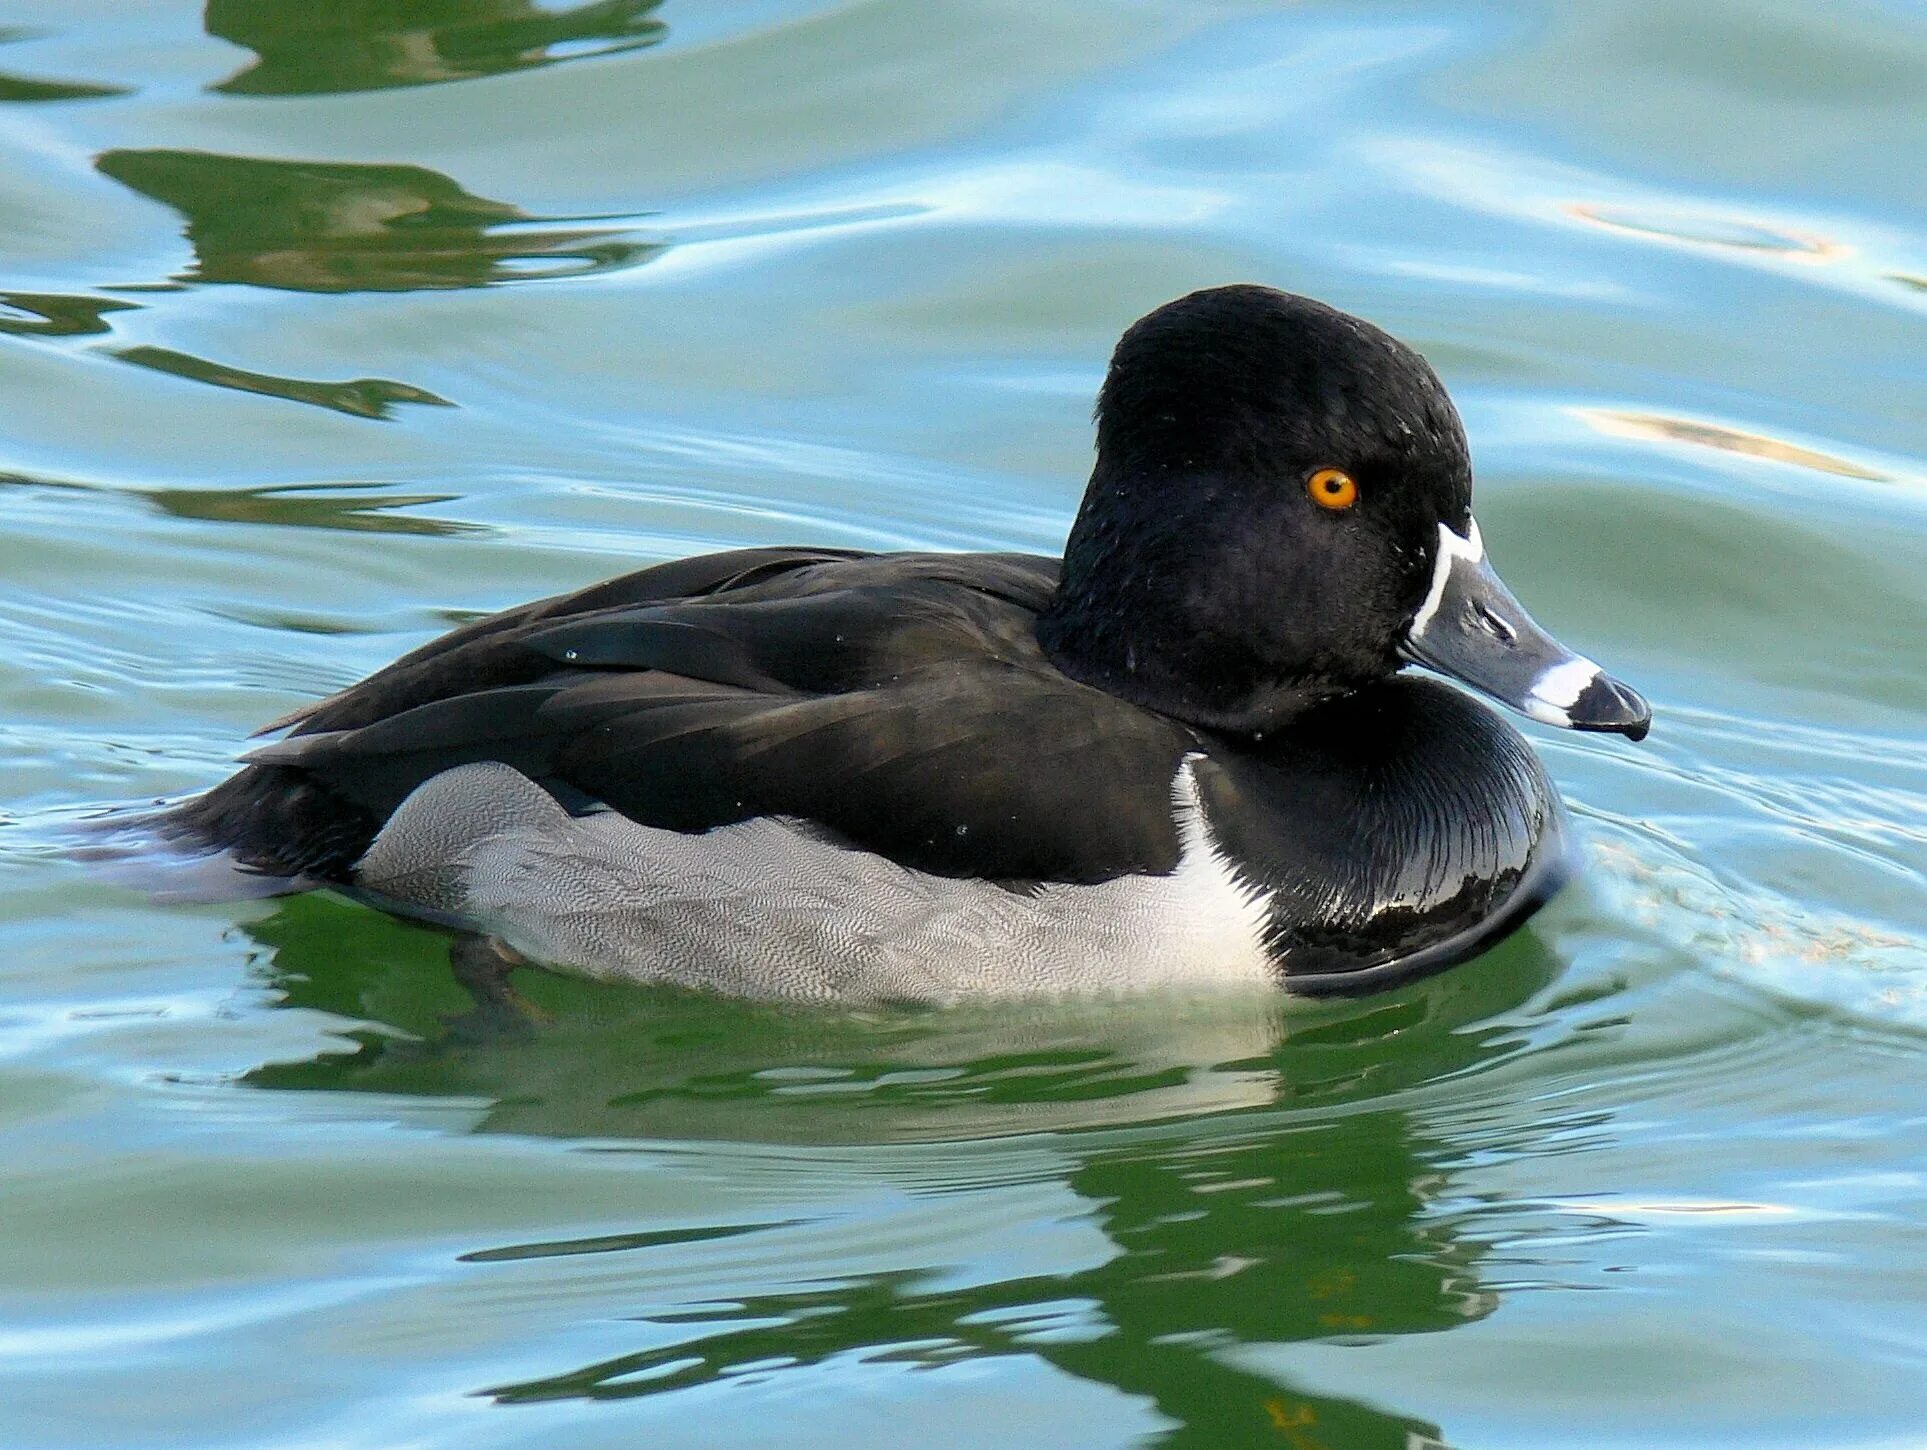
pixel 1183 755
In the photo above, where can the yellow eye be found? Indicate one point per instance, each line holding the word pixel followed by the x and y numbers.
pixel 1332 488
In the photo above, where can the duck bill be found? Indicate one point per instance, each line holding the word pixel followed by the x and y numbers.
pixel 1472 629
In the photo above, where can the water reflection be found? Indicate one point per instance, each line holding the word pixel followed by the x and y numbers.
pixel 351 507
pixel 358 397
pixel 29 89
pixel 1221 1242
pixel 53 314
pixel 1712 229
pixel 1628 423
pixel 305 48
pixel 1282 1200
pixel 315 226
pixel 609 1061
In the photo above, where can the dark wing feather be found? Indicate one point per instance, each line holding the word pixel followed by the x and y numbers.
pixel 492 651
pixel 281 819
pixel 899 700
pixel 982 769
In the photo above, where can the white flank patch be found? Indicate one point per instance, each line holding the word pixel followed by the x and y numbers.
pixel 1227 915
pixel 1452 549
pixel 1554 693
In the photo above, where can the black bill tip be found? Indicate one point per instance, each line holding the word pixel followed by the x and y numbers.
pixel 1607 705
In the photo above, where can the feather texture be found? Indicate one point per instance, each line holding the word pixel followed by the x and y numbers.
pixel 900 701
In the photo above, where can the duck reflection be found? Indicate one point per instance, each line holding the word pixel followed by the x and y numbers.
pixel 1278 1200
pixel 1223 1248
pixel 308 48
pixel 315 226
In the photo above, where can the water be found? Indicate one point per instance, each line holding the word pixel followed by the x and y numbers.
pixel 325 326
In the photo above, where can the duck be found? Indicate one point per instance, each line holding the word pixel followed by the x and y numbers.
pixel 1189 754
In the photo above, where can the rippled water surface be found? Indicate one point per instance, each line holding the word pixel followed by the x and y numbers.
pixel 325 325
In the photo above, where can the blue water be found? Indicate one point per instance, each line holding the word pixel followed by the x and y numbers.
pixel 323 327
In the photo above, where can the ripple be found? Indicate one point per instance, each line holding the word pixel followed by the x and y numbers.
pixel 1800 953
pixel 615 1243
pixel 1707 1209
pixel 1710 228
pixel 1852 253
pixel 353 507
pixel 358 397
pixel 1629 423
pixel 28 90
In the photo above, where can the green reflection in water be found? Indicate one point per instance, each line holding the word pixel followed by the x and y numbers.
pixel 615 1243
pixel 314 226
pixel 618 1061
pixel 1283 1198
pixel 1317 1236
pixel 350 507
pixel 23 88
pixel 360 397
pixel 51 314
pixel 308 47
pixel 29 89
pixel 311 506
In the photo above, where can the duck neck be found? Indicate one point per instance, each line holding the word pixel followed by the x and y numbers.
pixel 1134 635
pixel 1225 704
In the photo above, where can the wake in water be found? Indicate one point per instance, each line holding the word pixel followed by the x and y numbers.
pixel 132 847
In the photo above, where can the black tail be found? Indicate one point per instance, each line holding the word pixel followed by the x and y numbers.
pixel 266 831
pixel 275 820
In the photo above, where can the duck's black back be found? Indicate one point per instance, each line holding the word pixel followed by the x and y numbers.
pixel 899 702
